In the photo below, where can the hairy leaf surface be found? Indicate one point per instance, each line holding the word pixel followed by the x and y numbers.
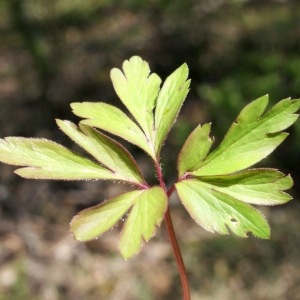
pixel 112 120
pixel 148 208
pixel 256 186
pixel 169 102
pixel 194 150
pixel 138 91
pixel 107 151
pixel 216 211
pixel 147 213
pixel 94 221
pixel 251 138
pixel 47 160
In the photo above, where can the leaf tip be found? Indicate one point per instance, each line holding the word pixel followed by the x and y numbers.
pixel 60 122
pixel 74 104
pixel 114 73
pixel 135 59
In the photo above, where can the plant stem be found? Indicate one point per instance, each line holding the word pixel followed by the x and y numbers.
pixel 178 257
pixel 173 239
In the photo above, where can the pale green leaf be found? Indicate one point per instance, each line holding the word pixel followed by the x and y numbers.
pixel 251 138
pixel 148 209
pixel 194 150
pixel 216 211
pixel 48 160
pixel 107 151
pixel 112 120
pixel 169 102
pixel 147 213
pixel 138 91
pixel 94 221
pixel 256 186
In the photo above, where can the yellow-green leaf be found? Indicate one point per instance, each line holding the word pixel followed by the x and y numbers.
pixel 251 138
pixel 194 150
pixel 256 186
pixel 47 160
pixel 169 102
pixel 138 91
pixel 112 120
pixel 107 151
pixel 94 221
pixel 147 212
pixel 216 211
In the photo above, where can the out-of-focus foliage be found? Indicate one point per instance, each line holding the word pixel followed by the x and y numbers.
pixel 56 52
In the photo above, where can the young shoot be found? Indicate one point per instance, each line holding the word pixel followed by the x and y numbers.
pixel 216 188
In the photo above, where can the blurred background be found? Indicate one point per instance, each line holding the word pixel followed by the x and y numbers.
pixel 56 52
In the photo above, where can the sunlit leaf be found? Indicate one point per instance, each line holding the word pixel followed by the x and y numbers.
pixel 216 211
pixel 148 210
pixel 107 151
pixel 194 150
pixel 47 160
pixel 112 120
pixel 169 102
pixel 257 186
pixel 94 221
pixel 147 213
pixel 251 138
pixel 214 187
pixel 138 91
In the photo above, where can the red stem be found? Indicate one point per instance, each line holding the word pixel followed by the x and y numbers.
pixel 178 257
pixel 173 239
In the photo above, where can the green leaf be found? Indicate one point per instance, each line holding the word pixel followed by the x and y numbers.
pixel 112 120
pixel 94 221
pixel 169 102
pixel 194 150
pixel 138 91
pixel 216 211
pixel 48 160
pixel 251 138
pixel 147 213
pixel 256 186
pixel 148 210
pixel 107 151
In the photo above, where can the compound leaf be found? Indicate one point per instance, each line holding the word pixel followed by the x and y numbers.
pixel 194 150
pixel 216 211
pixel 256 186
pixel 215 195
pixel 107 151
pixel 148 208
pixel 47 160
pixel 112 120
pixel 138 91
pixel 251 138
pixel 147 213
pixel 169 102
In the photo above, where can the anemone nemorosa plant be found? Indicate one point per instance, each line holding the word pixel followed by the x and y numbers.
pixel 216 188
